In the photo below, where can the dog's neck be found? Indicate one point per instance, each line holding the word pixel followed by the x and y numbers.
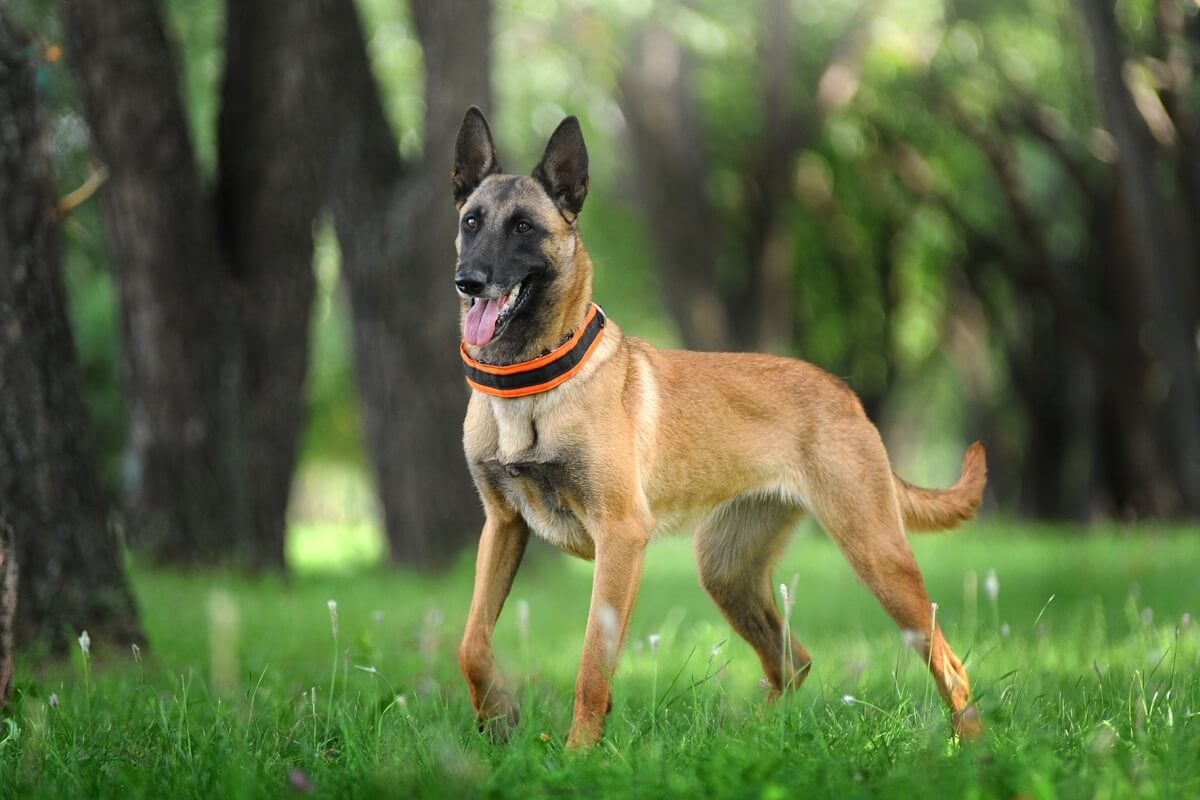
pixel 563 315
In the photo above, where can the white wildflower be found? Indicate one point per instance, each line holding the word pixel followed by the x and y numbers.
pixel 654 639
pixel 85 644
pixel 434 617
pixel 849 699
pixel 991 585
pixel 333 618
pixel 53 700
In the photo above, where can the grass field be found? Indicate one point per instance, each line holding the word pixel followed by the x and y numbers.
pixel 245 691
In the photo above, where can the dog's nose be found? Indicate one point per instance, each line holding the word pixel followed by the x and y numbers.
pixel 470 281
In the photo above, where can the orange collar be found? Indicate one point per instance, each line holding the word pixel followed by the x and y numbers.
pixel 542 373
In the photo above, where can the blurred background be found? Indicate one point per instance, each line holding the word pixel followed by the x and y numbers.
pixel 982 215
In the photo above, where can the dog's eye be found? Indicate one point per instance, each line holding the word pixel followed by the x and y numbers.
pixel 524 227
pixel 471 221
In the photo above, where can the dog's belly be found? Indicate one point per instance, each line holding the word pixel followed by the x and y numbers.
pixel 543 493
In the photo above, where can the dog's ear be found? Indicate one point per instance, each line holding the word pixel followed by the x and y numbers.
pixel 474 156
pixel 563 170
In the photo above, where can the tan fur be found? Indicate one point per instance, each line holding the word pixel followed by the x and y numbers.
pixel 736 448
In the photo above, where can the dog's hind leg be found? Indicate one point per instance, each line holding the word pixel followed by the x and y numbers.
pixel 736 546
pixel 858 509
pixel 501 547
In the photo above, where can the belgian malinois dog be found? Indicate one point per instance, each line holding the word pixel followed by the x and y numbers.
pixel 598 442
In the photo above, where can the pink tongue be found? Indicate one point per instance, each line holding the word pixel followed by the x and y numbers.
pixel 480 324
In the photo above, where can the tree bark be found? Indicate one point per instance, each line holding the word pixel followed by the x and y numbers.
pixel 1164 256
pixel 396 226
pixel 275 140
pixel 51 501
pixel 176 318
pixel 215 307
pixel 668 150
pixel 749 304
pixel 8 603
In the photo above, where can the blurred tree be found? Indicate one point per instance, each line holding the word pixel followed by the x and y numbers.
pixel 273 148
pixel 1086 274
pixel 177 319
pixel 667 141
pixel 730 271
pixel 396 226
pixel 982 215
pixel 216 304
pixel 1140 107
pixel 53 513
pixel 8 607
pixel 779 182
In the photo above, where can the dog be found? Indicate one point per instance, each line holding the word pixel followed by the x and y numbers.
pixel 598 443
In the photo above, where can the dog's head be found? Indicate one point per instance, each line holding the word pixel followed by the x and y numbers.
pixel 517 236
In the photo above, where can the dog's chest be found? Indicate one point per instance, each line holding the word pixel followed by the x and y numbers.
pixel 539 473
pixel 516 430
pixel 547 494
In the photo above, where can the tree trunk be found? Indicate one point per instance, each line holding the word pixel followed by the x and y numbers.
pixel 396 227
pixel 51 501
pixel 729 283
pixel 274 146
pixel 8 599
pixel 176 318
pixel 667 143
pixel 763 308
pixel 1163 259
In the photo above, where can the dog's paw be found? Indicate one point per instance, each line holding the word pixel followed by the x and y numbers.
pixel 967 724
pixel 586 730
pixel 499 720
pixel 580 741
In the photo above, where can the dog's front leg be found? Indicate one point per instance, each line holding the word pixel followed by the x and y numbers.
pixel 619 554
pixel 501 547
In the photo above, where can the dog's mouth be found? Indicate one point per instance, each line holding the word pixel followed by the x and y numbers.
pixel 487 316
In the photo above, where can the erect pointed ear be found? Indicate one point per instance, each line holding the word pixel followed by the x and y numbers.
pixel 474 156
pixel 563 170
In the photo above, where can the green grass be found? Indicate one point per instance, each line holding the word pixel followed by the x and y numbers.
pixel 1088 695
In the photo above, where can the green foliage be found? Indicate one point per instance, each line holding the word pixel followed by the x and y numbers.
pixel 890 195
pixel 198 30
pixel 1092 693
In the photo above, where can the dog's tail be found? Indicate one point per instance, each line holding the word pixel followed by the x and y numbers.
pixel 928 510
